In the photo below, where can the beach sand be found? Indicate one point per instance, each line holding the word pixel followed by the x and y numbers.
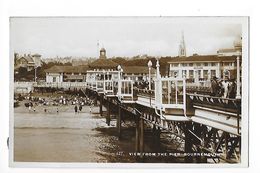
pixel 67 136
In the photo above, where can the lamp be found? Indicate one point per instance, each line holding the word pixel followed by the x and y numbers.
pixel 149 64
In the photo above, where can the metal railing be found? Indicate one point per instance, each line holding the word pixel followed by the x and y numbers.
pixel 108 87
pixel 170 93
pixel 227 105
pixel 125 90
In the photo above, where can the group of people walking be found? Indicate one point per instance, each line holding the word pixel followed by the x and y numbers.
pixel 225 88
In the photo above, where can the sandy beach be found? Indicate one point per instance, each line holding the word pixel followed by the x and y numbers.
pixel 66 136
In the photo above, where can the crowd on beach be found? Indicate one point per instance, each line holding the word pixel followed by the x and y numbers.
pixel 49 103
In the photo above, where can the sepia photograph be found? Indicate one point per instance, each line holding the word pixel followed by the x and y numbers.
pixel 148 90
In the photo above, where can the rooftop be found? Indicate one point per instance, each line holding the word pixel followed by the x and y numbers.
pixel 67 69
pixel 137 70
pixel 29 59
pixel 103 63
pixel 203 58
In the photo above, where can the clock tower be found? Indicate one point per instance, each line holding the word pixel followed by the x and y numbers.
pixel 102 54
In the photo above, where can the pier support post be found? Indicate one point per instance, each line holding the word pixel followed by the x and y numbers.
pixel 108 112
pixel 100 104
pixel 137 134
pixel 141 135
pixel 198 132
pixel 188 142
pixel 203 143
pixel 226 144
pixel 153 133
pixel 119 121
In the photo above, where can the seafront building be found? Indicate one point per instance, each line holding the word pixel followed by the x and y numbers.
pixel 200 69
pixel 102 64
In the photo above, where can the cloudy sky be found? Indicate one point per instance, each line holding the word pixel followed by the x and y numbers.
pixel 155 36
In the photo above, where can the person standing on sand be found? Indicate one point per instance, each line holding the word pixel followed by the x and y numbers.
pixel 30 106
pixel 80 108
pixel 90 109
pixel 76 109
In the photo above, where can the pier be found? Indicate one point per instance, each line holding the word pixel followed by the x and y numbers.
pixel 202 123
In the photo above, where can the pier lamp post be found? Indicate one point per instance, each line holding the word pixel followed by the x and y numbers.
pixel 158 69
pixel 238 95
pixel 119 68
pixel 149 67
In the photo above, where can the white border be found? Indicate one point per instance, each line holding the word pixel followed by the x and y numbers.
pixel 132 8
pixel 244 148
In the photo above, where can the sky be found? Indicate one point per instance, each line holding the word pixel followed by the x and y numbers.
pixel 122 36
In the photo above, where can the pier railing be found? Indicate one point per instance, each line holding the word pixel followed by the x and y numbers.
pixel 224 104
pixel 125 90
pixel 170 93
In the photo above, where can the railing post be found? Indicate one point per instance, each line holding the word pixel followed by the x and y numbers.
pixel 176 91
pixel 184 96
pixel 132 89
pixel 158 86
pixel 238 95
pixel 238 102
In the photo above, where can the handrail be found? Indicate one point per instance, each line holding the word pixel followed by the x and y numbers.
pixel 208 96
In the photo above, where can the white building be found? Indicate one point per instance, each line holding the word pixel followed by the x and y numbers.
pixel 200 69
pixel 57 74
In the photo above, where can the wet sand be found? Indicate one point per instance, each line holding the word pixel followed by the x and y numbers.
pixel 58 137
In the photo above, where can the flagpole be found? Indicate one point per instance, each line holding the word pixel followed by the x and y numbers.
pixel 97 48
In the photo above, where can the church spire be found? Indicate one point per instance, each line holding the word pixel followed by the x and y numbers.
pixel 182 47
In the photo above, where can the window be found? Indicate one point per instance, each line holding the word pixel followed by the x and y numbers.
pixel 191 64
pixel 183 73
pixel 175 73
pixel 213 64
pixel 54 79
pixel 205 64
pixel 227 64
pixel 198 64
pixel 205 74
pixel 176 65
pixel 213 73
pixel 199 73
pixel 184 64
pixel 191 75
